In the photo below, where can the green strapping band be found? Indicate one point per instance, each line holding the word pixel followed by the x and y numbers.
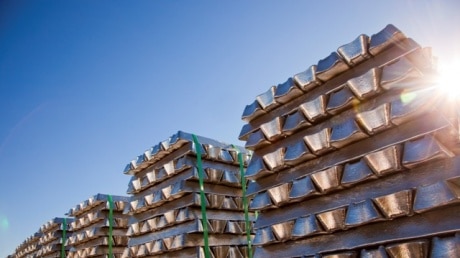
pixel 110 225
pixel 64 231
pixel 204 219
pixel 245 201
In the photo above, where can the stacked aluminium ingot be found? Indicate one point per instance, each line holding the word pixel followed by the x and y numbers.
pixel 99 228
pixel 166 212
pixel 29 247
pixel 53 236
pixel 356 157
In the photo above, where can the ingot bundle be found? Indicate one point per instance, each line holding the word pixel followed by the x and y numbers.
pixel 356 156
pixel 53 236
pixel 187 200
pixel 99 228
pixel 29 247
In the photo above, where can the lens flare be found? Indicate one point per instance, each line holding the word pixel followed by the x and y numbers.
pixel 448 80
pixel 4 224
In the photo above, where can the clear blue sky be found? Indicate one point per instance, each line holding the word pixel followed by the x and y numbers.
pixel 85 86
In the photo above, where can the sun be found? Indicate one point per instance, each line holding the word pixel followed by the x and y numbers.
pixel 448 79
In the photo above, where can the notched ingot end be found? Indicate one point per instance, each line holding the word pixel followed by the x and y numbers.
pixel 395 204
pixel 375 120
pixel 415 249
pixel 267 99
pixel 261 201
pixel 283 231
pixel 366 85
pixel 319 142
pixel 328 179
pixel 333 220
pixel 279 194
pixel 356 51
pixel 274 160
pixel 272 129
pixel 314 109
pixel 256 168
pixel 256 139
pixel 385 161
pixel 307 80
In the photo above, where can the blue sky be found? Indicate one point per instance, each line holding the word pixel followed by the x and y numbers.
pixel 85 86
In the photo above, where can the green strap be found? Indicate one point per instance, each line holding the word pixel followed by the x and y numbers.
pixel 204 218
pixel 64 231
pixel 245 201
pixel 110 225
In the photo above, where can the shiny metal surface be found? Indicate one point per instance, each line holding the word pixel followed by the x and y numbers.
pixel 394 74
pixel 345 133
pixel 340 100
pixel 385 38
pixel 295 122
pixel 314 109
pixel 287 91
pixel 356 51
pixel 319 142
pixel 307 80
pixel 330 66
pixel 272 129
pixel 297 153
pixel 375 120
pixel 366 85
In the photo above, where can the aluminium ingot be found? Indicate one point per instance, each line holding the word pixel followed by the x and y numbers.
pixel 385 39
pixel 320 142
pixel 302 188
pixel 272 129
pixel 328 179
pixel 332 220
pixel 306 226
pixel 256 139
pixel 355 172
pixel 264 236
pixel 314 109
pixel 445 246
pixel 362 213
pixel 256 168
pixel 307 79
pixel 261 201
pixel 395 204
pixel 282 231
pixel 400 74
pixel 409 249
pixel 340 100
pixel 287 91
pixel 251 111
pixel 375 120
pixel 345 133
pixel 423 150
pixel 279 194
pixel 294 122
pixel 356 51
pixel 385 161
pixel 366 85
pixel 330 66
pixel 437 195
pixel 297 153
pixel 275 159
pixel 267 99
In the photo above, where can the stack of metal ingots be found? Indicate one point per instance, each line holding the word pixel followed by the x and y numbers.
pixel 53 236
pixel 356 157
pixel 99 228
pixel 187 200
pixel 29 247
